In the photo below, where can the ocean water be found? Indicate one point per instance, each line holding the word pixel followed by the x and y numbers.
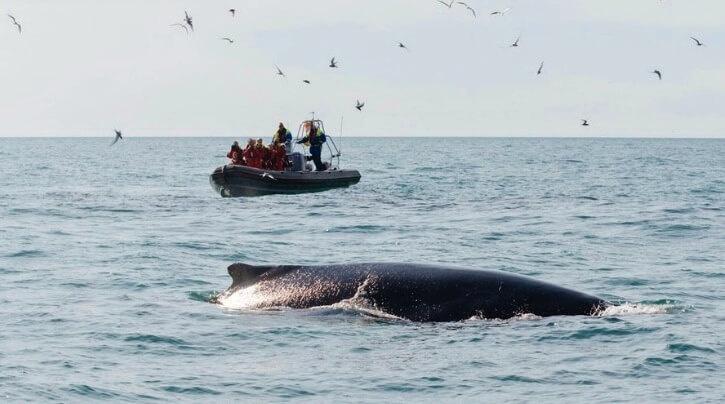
pixel 108 256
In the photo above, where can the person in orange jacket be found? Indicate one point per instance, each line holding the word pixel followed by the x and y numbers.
pixel 250 155
pixel 236 154
pixel 277 156
pixel 261 155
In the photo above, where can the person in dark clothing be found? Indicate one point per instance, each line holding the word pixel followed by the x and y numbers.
pixel 283 136
pixel 315 138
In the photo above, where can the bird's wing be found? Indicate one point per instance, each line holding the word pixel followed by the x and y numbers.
pixel 473 11
pixel 180 25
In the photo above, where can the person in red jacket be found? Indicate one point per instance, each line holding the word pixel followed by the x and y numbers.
pixel 261 155
pixel 277 156
pixel 235 154
pixel 250 156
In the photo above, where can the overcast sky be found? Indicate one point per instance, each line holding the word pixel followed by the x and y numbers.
pixel 83 67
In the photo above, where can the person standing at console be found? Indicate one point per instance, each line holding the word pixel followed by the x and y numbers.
pixel 316 137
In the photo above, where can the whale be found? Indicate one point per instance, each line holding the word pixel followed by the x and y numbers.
pixel 415 292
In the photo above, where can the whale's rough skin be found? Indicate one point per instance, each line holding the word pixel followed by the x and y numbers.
pixel 411 291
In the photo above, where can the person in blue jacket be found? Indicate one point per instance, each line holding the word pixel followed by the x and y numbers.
pixel 315 138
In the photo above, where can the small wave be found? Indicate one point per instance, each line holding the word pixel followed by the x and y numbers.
pixel 206 297
pixel 26 253
pixel 155 339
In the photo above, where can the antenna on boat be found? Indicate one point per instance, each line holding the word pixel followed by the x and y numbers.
pixel 339 150
pixel 313 115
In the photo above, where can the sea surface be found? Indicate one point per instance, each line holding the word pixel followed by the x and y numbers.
pixel 109 255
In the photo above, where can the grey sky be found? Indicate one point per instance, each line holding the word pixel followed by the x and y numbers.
pixel 83 67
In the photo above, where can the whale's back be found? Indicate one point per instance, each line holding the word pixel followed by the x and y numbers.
pixel 411 291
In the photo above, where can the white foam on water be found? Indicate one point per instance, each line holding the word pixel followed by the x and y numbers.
pixel 628 309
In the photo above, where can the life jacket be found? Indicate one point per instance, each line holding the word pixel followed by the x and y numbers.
pixel 277 157
pixel 251 157
pixel 235 154
pixel 261 157
pixel 282 136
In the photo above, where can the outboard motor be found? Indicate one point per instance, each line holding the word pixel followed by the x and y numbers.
pixel 296 161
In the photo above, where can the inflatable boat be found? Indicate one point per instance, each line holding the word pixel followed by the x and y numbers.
pixel 232 181
pixel 298 177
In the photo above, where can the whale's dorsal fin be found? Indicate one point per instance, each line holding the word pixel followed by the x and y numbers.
pixel 243 274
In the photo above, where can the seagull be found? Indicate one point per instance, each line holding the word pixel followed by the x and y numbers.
pixel 118 137
pixel 541 67
pixel 180 25
pixel 333 64
pixel 359 105
pixel 279 71
pixel 267 175
pixel 402 45
pixel 469 8
pixel 449 5
pixel 658 73
pixel 501 12
pixel 516 44
pixel 232 11
pixel 231 41
pixel 585 122
pixel 187 18
pixel 697 41
pixel 15 22
pixel 306 81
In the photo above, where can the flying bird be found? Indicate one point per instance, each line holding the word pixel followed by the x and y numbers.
pixel 501 12
pixel 118 137
pixel 449 5
pixel 402 45
pixel 333 64
pixel 697 41
pixel 306 81
pixel 187 19
pixel 658 73
pixel 279 71
pixel 231 41
pixel 469 8
pixel 585 122
pixel 181 26
pixel 232 11
pixel 359 105
pixel 16 23
pixel 541 67
pixel 516 43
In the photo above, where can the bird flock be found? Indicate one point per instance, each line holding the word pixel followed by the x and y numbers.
pixel 187 25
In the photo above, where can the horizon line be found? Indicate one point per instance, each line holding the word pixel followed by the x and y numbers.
pixel 698 137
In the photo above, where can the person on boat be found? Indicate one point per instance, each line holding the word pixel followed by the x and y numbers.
pixel 250 154
pixel 277 156
pixel 316 137
pixel 283 136
pixel 262 154
pixel 236 154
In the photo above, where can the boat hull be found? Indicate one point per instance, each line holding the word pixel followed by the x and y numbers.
pixel 235 181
